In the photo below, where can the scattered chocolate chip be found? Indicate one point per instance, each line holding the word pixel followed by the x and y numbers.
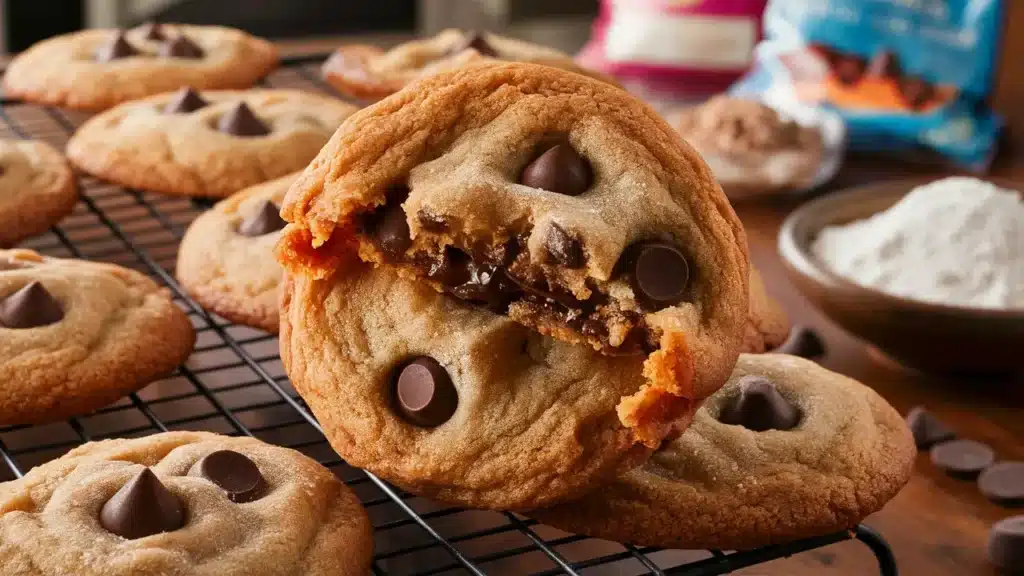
pixel 802 342
pixel 884 64
pixel 759 406
pixel 432 222
pixel 142 507
pixel 1006 545
pixel 659 273
pixel 185 100
pixel 181 47
pixel 263 220
pixel 240 121
pixel 30 307
pixel 915 91
pixel 1003 483
pixel 118 47
pixel 477 41
pixel 927 429
pixel 563 248
pixel 153 31
pixel 235 474
pixel 390 229
pixel 559 169
pixel 962 458
pixel 424 392
pixel 849 69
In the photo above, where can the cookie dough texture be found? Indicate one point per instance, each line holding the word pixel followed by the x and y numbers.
pixel 234 275
pixel 767 323
pixel 119 332
pixel 727 487
pixel 138 145
pixel 308 523
pixel 63 70
pixel 37 189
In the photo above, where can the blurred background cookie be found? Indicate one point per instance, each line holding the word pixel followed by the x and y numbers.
pixel 37 189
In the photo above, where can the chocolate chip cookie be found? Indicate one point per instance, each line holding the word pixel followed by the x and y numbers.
pixel 210 143
pixel 77 335
pixel 37 189
pixel 369 73
pixel 182 503
pixel 767 323
pixel 97 69
pixel 786 450
pixel 226 259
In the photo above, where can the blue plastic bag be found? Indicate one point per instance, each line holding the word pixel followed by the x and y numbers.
pixel 904 74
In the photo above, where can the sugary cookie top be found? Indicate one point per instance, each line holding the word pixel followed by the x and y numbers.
pixel 225 505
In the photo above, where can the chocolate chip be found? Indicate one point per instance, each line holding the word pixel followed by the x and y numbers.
pixel 181 47
pixel 142 507
pixel 849 69
pixel 1003 483
pixel 30 307
pixel 563 248
pixel 477 41
pixel 424 393
pixel 153 31
pixel 884 64
pixel 559 169
pixel 1006 545
pixel 488 286
pixel 390 230
pixel 235 474
pixel 802 342
pixel 185 100
pixel 915 91
pixel 118 47
pixel 927 429
pixel 240 121
pixel 452 269
pixel 432 222
pixel 962 458
pixel 760 407
pixel 659 274
pixel 263 220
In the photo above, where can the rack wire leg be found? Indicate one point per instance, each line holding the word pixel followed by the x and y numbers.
pixel 878 545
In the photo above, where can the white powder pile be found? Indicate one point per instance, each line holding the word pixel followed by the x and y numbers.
pixel 956 241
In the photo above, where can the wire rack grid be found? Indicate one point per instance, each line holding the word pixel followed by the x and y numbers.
pixel 234 384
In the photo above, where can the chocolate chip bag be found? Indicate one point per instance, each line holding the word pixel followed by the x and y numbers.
pixel 904 74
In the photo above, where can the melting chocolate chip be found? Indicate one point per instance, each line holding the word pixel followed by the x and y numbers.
pixel 962 458
pixel 659 274
pixel 240 121
pixel 432 222
pixel 884 64
pixel 849 68
pixel 263 220
pixel 759 407
pixel 802 342
pixel 1006 545
pixel 181 47
pixel 142 507
pixel 915 91
pixel 559 169
pixel 389 229
pixel 30 307
pixel 118 47
pixel 185 100
pixel 488 286
pixel 153 31
pixel 1003 483
pixel 477 41
pixel 927 429
pixel 424 393
pixel 563 248
pixel 235 474
pixel 452 269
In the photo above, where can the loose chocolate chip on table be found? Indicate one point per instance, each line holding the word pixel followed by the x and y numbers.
pixel 759 407
pixel 849 69
pixel 181 47
pixel 390 230
pixel 802 342
pixel 1006 545
pixel 185 100
pixel 235 474
pixel 142 507
pixel 240 121
pixel 30 307
pixel 915 91
pixel 559 169
pixel 263 220
pixel 659 273
pixel 1003 483
pixel 118 47
pixel 424 393
pixel 962 458
pixel 477 41
pixel 884 64
pixel 153 31
pixel 563 247
pixel 927 429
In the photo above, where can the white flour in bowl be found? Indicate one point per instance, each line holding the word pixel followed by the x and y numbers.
pixel 957 241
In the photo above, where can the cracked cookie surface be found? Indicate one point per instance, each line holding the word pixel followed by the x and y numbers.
pixel 77 335
pixel 299 519
pixel 37 189
pixel 210 143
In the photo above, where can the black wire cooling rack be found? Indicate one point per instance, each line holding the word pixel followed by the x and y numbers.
pixel 234 384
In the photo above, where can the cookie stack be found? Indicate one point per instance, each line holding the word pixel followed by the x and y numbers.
pixel 513 287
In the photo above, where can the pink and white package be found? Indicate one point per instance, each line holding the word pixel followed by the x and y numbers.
pixel 675 46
